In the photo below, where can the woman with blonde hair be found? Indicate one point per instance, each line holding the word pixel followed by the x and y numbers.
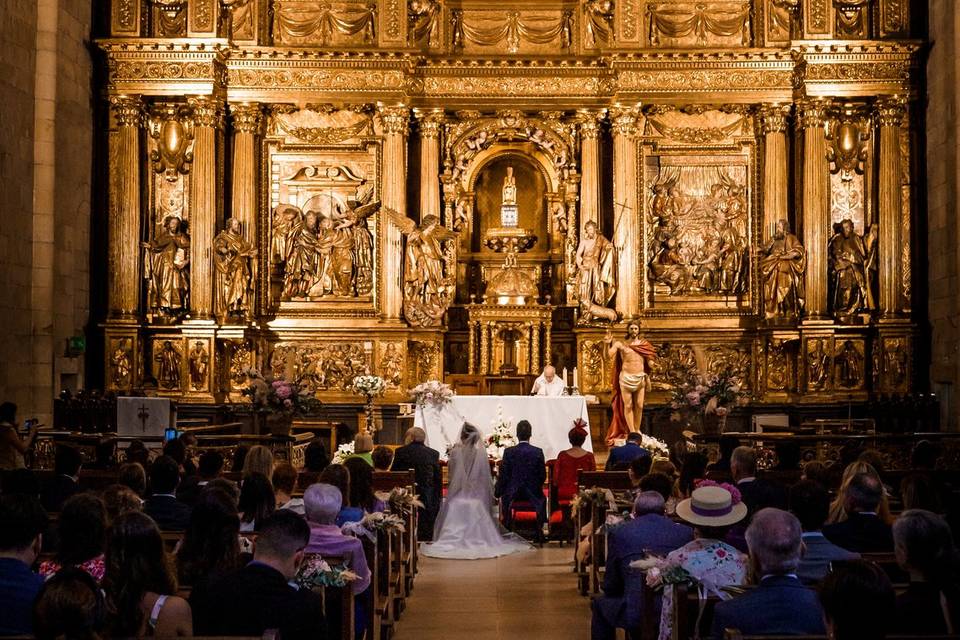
pixel 837 511
pixel 259 460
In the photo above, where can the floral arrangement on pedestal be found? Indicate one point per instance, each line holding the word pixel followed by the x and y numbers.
pixel 432 393
pixel 712 395
pixel 369 387
pixel 502 435
pixel 315 573
pixel 279 395
pixel 343 452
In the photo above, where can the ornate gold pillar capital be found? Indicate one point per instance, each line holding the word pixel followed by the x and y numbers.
pixel 624 120
pixel 246 117
pixel 207 111
pixel 431 122
pixel 395 119
pixel 812 113
pixel 890 112
pixel 589 121
pixel 128 110
pixel 773 117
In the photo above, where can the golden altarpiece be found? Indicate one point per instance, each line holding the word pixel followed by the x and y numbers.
pixel 317 189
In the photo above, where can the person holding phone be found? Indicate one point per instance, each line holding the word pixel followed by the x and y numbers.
pixel 12 447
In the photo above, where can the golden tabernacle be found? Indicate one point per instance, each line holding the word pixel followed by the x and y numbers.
pixel 431 188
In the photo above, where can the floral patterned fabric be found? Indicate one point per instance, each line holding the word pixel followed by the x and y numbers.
pixel 714 564
pixel 93 566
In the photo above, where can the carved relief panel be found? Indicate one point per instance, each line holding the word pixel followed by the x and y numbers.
pixel 492 29
pixel 893 363
pixel 425 360
pixel 780 364
pixel 391 361
pixel 121 363
pixel 704 23
pixel 169 364
pixel 237 357
pixel 595 367
pixel 324 24
pixel 818 363
pixel 322 365
pixel 849 362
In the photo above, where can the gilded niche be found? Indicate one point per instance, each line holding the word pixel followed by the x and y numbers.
pixel 167 270
pixel 308 22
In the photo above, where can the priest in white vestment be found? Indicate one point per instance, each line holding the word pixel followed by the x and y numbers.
pixel 548 384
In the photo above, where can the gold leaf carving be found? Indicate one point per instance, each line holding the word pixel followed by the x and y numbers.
pixel 326 135
pixel 692 24
pixel 697 135
pixel 318 23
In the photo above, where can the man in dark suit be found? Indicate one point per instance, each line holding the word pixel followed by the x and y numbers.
pixel 779 604
pixel 863 531
pixel 757 494
pixel 169 513
pixel 649 532
pixel 210 467
pixel 522 474
pixel 621 457
pixel 22 522
pixel 64 483
pixel 810 502
pixel 259 597
pixel 425 463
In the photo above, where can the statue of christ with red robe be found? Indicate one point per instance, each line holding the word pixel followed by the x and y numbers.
pixel 631 379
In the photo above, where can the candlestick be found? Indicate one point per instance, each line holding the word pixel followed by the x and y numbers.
pixel 576 381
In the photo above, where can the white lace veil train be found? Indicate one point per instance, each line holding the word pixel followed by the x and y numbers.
pixel 469 469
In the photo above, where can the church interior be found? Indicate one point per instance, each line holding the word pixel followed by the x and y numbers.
pixel 277 223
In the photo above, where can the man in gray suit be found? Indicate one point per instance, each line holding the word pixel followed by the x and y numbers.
pixel 810 502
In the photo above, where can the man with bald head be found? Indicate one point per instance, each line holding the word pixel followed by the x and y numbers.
pixel 425 462
pixel 548 383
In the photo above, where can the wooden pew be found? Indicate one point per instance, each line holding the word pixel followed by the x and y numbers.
pixel 372 621
pixel 386 584
pixel 339 603
pixel 405 556
pixel 590 578
pixel 734 634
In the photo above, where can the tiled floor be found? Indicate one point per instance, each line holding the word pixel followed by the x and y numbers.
pixel 531 595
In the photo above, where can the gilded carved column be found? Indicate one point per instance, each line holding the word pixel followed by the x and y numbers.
pixel 247 120
pixel 207 119
pixel 816 205
pixel 626 219
pixel 590 165
pixel 394 196
pixel 472 347
pixel 890 114
pixel 123 275
pixel 773 122
pixel 431 123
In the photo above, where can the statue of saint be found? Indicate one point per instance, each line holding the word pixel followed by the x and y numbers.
pixel 668 268
pixel 731 258
pixel 851 261
pixel 120 362
pixel 509 188
pixel 849 364
pixel 781 267
pixel 233 257
pixel 351 250
pixel 818 365
pixel 596 261
pixel 169 366
pixel 303 258
pixel 285 219
pixel 427 288
pixel 199 359
pixel 631 365
pixel 391 365
pixel 166 266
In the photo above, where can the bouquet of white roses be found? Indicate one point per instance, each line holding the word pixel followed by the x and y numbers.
pixel 501 436
pixel 369 385
pixel 433 392
pixel 343 452
pixel 657 447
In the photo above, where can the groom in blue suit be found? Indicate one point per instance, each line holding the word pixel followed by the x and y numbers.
pixel 522 474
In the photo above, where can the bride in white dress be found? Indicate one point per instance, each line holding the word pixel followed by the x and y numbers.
pixel 465 528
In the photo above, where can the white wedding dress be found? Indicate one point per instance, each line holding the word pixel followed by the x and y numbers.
pixel 465 528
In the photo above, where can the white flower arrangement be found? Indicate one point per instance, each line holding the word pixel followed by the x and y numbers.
pixel 657 447
pixel 373 522
pixel 343 452
pixel 433 393
pixel 369 385
pixel 502 435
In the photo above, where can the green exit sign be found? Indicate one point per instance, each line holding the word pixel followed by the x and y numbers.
pixel 76 345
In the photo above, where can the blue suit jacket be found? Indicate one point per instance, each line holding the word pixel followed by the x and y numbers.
pixel 522 473
pixel 655 534
pixel 779 605
pixel 818 555
pixel 624 455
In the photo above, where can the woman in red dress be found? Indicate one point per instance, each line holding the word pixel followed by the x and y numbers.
pixel 571 460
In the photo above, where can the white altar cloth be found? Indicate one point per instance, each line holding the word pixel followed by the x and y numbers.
pixel 550 417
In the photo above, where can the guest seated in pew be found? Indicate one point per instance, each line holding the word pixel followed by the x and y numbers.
pixel 664 485
pixel 119 499
pixel 921 491
pixel 361 486
pixel 65 481
pixel 338 476
pixel 925 549
pixel 363 448
pixel 727 444
pixel 70 606
pixel 211 543
pixel 571 461
pixel 620 457
pixel 190 443
pixel 757 493
pixel 257 501
pixel 712 510
pixel 137 452
pixel 239 458
pixel 169 513
pixel 863 530
pixel 858 601
pixel 141 583
pixel 810 503
pixel 382 458
pixel 649 532
pixel 638 469
pixel 692 471
pixel 284 482
pixel 522 474
pixel 258 597
pixel 177 450
pixel 258 460
pixel 134 476
pixel 22 523
pixel 779 604
pixel 315 458
pixel 210 467
pixel 816 471
pixel 425 462
pixel 838 510
pixel 105 455
pixel 81 536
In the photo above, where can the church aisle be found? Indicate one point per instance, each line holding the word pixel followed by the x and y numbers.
pixel 530 595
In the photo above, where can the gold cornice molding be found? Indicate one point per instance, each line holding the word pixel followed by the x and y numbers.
pixel 855 68
pixel 165 67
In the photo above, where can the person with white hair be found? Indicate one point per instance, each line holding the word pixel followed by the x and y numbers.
pixel 321 503
pixel 780 604
pixel 650 531
pixel 548 383
pixel 425 462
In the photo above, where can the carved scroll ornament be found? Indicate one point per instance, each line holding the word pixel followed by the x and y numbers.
pixel 318 22
pixel 172 129
pixel 514 29
pixel 700 20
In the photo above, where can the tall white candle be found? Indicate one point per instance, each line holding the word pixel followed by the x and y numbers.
pixel 564 375
pixel 576 381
